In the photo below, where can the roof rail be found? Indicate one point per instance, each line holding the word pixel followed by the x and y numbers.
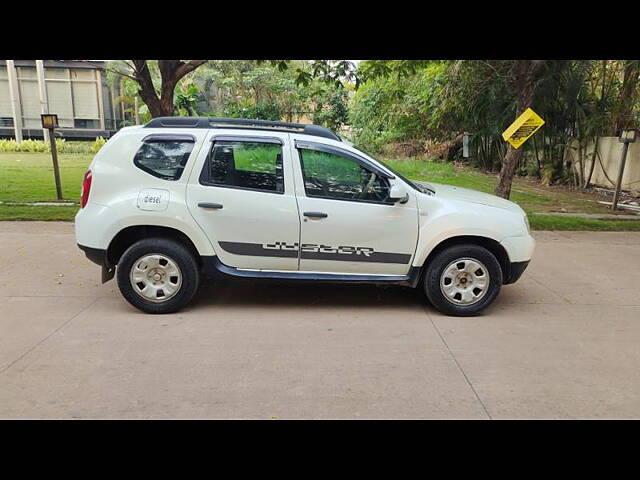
pixel 216 122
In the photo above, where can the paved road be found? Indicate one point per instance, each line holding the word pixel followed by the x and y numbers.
pixel 561 343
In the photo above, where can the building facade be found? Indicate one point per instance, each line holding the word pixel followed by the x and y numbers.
pixel 77 91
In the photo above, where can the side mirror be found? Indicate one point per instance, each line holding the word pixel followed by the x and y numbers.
pixel 398 194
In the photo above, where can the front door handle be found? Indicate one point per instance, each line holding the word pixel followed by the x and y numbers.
pixel 210 205
pixel 315 214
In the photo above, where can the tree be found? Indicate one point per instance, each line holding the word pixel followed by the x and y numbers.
pixel 334 72
pixel 292 90
pixel 400 105
pixel 525 74
pixel 330 108
pixel 158 100
pixel 628 95
pixel 157 80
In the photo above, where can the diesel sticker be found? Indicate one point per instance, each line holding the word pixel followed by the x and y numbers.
pixel 313 251
pixel 153 199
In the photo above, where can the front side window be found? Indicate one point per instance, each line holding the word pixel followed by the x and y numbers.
pixel 245 164
pixel 331 175
pixel 164 159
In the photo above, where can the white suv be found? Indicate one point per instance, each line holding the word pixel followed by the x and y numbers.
pixel 179 198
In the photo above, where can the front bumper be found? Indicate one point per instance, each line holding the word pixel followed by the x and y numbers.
pixel 99 257
pixel 519 249
pixel 516 270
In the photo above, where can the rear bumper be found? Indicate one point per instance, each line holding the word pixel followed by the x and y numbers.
pixel 515 272
pixel 99 257
pixel 96 255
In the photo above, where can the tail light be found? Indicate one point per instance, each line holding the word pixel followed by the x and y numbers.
pixel 86 188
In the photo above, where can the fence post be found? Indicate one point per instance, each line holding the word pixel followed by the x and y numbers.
pixel 627 136
pixel 14 93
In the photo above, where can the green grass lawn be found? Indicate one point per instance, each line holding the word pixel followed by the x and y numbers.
pixel 28 177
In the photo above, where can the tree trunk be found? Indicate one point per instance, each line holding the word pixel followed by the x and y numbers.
pixel 526 72
pixel 587 180
pixel 580 166
pixel 171 71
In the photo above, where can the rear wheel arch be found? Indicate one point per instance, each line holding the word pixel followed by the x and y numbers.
pixel 130 235
pixel 490 244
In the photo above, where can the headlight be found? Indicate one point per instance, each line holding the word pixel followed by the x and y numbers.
pixel 526 222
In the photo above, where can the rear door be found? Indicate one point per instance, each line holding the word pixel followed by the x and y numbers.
pixel 241 194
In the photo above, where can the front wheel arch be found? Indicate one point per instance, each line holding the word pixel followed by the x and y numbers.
pixel 490 244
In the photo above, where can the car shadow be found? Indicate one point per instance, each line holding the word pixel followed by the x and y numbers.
pixel 282 293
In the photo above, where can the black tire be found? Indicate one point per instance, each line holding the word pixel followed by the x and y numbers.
pixel 439 263
pixel 176 252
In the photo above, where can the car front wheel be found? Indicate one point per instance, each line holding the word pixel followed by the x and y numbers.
pixel 158 275
pixel 462 280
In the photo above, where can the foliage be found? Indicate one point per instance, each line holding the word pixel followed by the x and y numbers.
pixel 98 144
pixel 10 145
pixel 267 110
pixel 37 146
pixel 273 91
pixel 331 107
pixel 400 108
pixel 288 90
pixel 417 107
pixel 249 88
pixel 418 102
pixel 330 72
pixel 186 98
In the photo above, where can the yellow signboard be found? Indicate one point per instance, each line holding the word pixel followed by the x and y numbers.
pixel 525 125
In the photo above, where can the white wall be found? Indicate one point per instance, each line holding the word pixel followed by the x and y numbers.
pixel 610 150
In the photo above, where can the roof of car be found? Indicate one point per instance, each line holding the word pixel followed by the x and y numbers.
pixel 218 122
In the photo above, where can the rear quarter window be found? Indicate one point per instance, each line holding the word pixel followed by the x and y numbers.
pixel 164 159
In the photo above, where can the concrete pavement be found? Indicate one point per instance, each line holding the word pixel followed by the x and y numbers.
pixel 560 343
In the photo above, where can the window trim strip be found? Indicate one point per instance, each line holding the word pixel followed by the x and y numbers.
pixel 241 138
pixel 168 137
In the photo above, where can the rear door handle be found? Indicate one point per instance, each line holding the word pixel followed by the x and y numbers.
pixel 210 205
pixel 315 214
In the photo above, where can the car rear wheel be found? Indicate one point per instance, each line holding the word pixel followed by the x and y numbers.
pixel 462 280
pixel 158 275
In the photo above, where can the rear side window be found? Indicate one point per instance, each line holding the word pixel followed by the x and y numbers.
pixel 245 164
pixel 164 157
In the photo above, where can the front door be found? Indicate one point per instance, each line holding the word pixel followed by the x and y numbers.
pixel 347 223
pixel 241 194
